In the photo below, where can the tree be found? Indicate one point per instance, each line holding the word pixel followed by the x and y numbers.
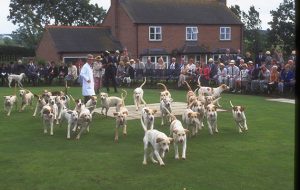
pixel 282 32
pixel 33 15
pixel 252 30
pixel 252 26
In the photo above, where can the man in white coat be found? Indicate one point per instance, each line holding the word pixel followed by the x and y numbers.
pixel 86 75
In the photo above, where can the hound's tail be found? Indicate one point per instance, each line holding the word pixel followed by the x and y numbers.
pixel 143 83
pixel 230 103
pixel 123 97
pixel 165 88
pixel 198 81
pixel 189 87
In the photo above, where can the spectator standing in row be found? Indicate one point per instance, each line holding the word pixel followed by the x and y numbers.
pixel 274 79
pixel 213 70
pixel 53 72
pixel 248 57
pixel 227 57
pixel 121 73
pixel 264 77
pixel 242 81
pixel 110 71
pixel 204 73
pixel 232 74
pixel 259 59
pixel 87 77
pixel 222 74
pixel 32 72
pixel 287 79
pixel 97 73
pixel 72 73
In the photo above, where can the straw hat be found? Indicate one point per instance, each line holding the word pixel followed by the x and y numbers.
pixel 210 60
pixel 98 58
pixel 268 52
pixel 132 60
pixel 222 65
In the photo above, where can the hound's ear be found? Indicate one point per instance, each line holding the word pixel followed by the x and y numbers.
pixel 158 140
pixel 69 112
pixel 234 108
pixel 243 108
pixel 186 131
pixel 115 113
pixel 170 139
pixel 146 110
pixel 125 113
pixel 155 110
pixel 175 131
pixel 189 114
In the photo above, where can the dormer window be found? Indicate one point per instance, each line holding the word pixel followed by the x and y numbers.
pixel 191 33
pixel 155 33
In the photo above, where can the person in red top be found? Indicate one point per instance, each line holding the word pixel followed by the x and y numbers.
pixel 203 72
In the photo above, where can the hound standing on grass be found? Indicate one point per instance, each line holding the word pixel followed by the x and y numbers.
pixel 17 78
pixel 27 98
pixel 160 143
pixel 10 101
pixel 239 117
pixel 138 96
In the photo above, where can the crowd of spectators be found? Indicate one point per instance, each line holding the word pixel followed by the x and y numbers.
pixel 264 73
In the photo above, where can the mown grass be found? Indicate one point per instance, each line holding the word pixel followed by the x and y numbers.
pixel 262 158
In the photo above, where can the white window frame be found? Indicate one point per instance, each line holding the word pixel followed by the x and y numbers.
pixel 155 33
pixel 225 33
pixel 193 35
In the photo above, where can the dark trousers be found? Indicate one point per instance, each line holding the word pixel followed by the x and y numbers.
pixel 110 78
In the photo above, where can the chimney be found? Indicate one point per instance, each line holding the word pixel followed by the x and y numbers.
pixel 223 2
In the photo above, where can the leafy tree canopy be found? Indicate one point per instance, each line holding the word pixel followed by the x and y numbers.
pixel 33 15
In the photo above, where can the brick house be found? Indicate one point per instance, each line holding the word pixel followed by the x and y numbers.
pixel 182 28
pixel 73 43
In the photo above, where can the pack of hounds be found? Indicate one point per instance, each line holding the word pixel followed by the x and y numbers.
pixel 202 104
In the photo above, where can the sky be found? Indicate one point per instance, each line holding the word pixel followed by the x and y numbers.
pixel 263 7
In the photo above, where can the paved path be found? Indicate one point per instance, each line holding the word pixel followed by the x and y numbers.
pixel 177 108
pixel 291 101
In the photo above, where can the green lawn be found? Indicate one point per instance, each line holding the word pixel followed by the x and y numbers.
pixel 260 159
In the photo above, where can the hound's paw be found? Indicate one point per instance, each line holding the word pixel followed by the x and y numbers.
pixel 162 164
pixel 183 158
pixel 144 163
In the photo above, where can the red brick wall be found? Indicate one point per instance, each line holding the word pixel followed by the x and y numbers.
pixel 136 37
pixel 46 49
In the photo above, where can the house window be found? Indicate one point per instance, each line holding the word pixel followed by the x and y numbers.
pixel 225 33
pixel 191 33
pixel 155 33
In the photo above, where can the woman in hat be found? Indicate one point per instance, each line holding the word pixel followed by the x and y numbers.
pixel 222 74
